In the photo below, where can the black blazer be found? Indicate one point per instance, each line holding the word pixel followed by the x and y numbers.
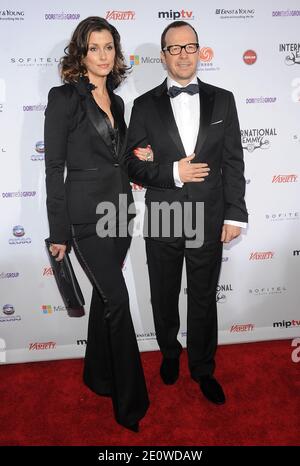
pixel 218 144
pixel 77 135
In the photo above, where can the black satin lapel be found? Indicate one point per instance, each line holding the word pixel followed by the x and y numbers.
pixel 98 121
pixel 118 115
pixel 167 117
pixel 207 101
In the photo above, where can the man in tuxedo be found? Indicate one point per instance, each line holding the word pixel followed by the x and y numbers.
pixel 194 133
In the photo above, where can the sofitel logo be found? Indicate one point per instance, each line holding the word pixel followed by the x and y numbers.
pixel 271 290
pixel 293 53
pixel 279 217
pixel 34 61
pixel 285 178
pixel 257 138
pixel 259 256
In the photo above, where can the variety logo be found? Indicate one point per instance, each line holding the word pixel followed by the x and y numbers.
pixel 40 149
pixel 9 275
pixel 261 100
pixel 34 108
pixel 296 252
pixel 9 311
pixel 42 345
pixel 287 323
pixel 271 290
pixel 241 328
pixel 19 194
pixel 250 57
pixel 238 13
pixel 34 61
pixel 48 309
pixel 48 272
pixel 282 13
pixel 175 15
pixel 285 178
pixel 120 15
pixel 19 233
pixel 62 16
pixel 12 15
pixel 257 138
pixel 279 217
pixel 222 290
pixel 296 91
pixel 260 256
pixel 293 53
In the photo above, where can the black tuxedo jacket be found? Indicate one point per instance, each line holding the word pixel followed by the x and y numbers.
pixel 77 136
pixel 218 144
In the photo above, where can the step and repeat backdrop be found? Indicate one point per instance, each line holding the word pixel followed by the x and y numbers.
pixel 247 46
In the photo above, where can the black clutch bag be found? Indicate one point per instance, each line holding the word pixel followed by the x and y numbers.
pixel 67 283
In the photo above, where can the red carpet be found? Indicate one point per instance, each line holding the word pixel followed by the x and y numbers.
pixel 46 403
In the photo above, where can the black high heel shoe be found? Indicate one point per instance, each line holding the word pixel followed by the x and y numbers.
pixel 133 427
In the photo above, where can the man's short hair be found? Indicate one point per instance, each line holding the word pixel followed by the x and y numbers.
pixel 175 24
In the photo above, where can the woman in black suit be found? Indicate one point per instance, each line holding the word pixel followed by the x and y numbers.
pixel 85 130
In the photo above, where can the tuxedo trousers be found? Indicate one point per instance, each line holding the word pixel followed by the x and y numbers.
pixel 112 365
pixel 165 264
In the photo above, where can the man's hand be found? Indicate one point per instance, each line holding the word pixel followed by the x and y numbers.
pixel 192 172
pixel 229 232
pixel 59 249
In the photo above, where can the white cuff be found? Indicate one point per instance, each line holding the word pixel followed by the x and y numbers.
pixel 176 177
pixel 236 224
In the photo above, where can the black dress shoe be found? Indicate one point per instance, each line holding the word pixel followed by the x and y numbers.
pixel 169 370
pixel 212 390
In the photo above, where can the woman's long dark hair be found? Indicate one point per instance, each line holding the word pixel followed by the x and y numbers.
pixel 72 66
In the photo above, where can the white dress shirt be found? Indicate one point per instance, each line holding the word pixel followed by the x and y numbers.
pixel 186 110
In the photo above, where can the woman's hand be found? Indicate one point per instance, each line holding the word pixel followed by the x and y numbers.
pixel 59 249
pixel 144 153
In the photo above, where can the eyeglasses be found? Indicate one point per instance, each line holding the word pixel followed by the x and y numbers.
pixel 177 49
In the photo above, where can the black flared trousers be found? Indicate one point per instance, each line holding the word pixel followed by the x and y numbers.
pixel 112 363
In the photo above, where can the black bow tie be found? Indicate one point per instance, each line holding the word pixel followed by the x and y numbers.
pixel 191 89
